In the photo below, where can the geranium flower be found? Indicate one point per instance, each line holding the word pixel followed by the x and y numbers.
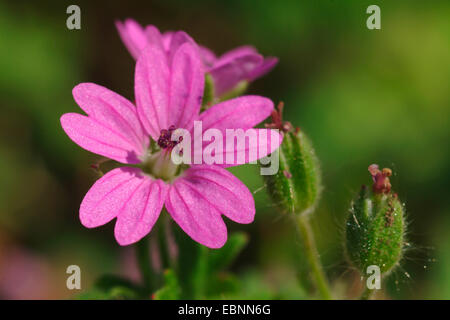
pixel 228 71
pixel 168 95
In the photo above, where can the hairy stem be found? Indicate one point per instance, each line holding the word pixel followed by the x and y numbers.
pixel 312 255
pixel 144 264
pixel 367 294
pixel 164 254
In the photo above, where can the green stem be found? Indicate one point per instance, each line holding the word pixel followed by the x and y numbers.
pixel 367 294
pixel 144 264
pixel 312 255
pixel 201 272
pixel 162 242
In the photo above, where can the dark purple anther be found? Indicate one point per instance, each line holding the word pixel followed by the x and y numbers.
pixel 165 139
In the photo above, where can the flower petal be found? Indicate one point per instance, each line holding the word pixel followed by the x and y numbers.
pixel 167 39
pixel 108 195
pixel 152 89
pixel 136 200
pixel 133 36
pixel 243 112
pixel 140 212
pixel 112 111
pixel 195 214
pixel 186 86
pixel 95 137
pixel 154 37
pixel 208 56
pixel 268 64
pixel 235 53
pixel 227 73
pixel 260 143
pixel 239 113
pixel 177 39
pixel 223 190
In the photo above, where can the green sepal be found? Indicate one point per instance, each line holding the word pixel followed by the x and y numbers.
pixel 208 92
pixel 237 91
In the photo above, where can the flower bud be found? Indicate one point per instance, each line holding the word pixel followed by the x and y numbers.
pixel 296 187
pixel 375 227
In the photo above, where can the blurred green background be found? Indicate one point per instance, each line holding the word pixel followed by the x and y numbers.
pixel 363 96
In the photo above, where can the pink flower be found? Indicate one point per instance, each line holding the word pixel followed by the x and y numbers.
pixel 240 64
pixel 168 93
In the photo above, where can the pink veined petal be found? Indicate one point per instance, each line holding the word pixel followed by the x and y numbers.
pixel 152 90
pixel 250 145
pixel 172 40
pixel 140 212
pixel 95 137
pixel 133 36
pixel 167 39
pixel 208 57
pixel 136 200
pixel 227 73
pixel 235 53
pixel 104 200
pixel 265 67
pixel 154 37
pixel 222 190
pixel 112 111
pixel 177 39
pixel 242 112
pixel 196 215
pixel 186 87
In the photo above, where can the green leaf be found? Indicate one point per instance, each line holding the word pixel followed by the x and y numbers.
pixel 123 293
pixel 171 289
pixel 92 294
pixel 108 281
pixel 114 288
pixel 222 258
pixel 209 277
pixel 201 268
pixel 223 283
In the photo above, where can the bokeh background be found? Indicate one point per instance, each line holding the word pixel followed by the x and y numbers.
pixel 363 96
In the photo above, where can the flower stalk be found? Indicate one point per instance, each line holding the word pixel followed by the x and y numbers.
pixel 295 190
pixel 367 294
pixel 166 261
pixel 144 264
pixel 307 237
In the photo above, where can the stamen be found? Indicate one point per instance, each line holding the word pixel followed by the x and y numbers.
pixel 277 120
pixel 381 183
pixel 165 139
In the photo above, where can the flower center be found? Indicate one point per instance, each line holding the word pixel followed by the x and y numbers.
pixel 165 139
pixel 159 164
